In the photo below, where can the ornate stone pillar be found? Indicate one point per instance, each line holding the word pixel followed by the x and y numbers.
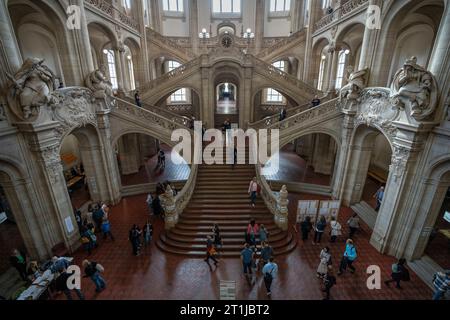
pixel 10 57
pixel 323 154
pixel 168 203
pixel 281 216
pixel 156 18
pixel 119 62
pixel 314 11
pixel 112 177
pixel 332 71
pixel 143 51
pixel 393 226
pixel 207 114
pixel 129 154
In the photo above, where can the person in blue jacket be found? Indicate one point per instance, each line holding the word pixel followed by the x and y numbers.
pixel 349 257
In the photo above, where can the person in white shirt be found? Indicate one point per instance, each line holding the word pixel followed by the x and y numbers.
pixel 270 271
pixel 149 202
pixel 336 229
pixel 353 224
pixel 252 190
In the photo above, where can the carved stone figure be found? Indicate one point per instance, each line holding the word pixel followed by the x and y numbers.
pixel 99 84
pixel 32 87
pixel 415 87
pixel 356 83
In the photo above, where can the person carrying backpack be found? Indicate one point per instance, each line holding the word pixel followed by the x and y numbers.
pixel 399 273
pixel 269 271
pixel 349 257
pixel 93 270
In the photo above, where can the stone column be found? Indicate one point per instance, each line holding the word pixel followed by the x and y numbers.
pixel 112 175
pixel 343 155
pixel 332 71
pixel 119 57
pixel 156 18
pixel 193 25
pixel 314 14
pixel 259 24
pixel 82 43
pixel 246 113
pixel 129 154
pixel 10 57
pixel 393 224
pixel 143 52
pixel 323 154
pixel 368 45
pixel 207 113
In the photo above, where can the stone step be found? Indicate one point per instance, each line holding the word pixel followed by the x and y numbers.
pixel 227 240
pixel 366 213
pixel 210 222
pixel 224 234
pixel 236 228
pixel 237 216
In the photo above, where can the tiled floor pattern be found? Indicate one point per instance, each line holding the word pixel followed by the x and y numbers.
pixel 156 275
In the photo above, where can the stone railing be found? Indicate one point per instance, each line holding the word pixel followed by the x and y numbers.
pixel 184 121
pixel 152 35
pixel 344 10
pixel 179 107
pixel 309 116
pixel 268 121
pixel 113 13
pixel 274 44
pixel 282 77
pixel 184 196
pixel 145 116
pixel 174 74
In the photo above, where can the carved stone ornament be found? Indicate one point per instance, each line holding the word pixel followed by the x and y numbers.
pixel 52 163
pixel 356 83
pixel 398 162
pixel 30 88
pixel 74 108
pixel 99 84
pixel 414 88
pixel 375 109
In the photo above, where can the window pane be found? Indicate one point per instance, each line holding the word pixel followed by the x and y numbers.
pixel 287 5
pixel 280 5
pixel 166 5
pixel 227 6
pixel 216 5
pixel 273 4
pixel 236 6
pixel 180 5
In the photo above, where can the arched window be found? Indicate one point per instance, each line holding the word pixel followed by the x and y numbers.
pixel 127 4
pixel 280 5
pixel 326 4
pixel 341 67
pixel 173 5
pixel 111 67
pixel 321 72
pixel 131 72
pixel 179 96
pixel 226 6
pixel 281 64
pixel 172 64
pixel 273 96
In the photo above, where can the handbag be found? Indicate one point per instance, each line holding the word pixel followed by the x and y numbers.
pixel 99 268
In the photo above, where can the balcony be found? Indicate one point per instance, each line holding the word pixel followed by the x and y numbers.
pixel 344 11
pixel 108 11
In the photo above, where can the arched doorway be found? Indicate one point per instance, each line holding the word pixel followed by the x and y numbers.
pixel 226 98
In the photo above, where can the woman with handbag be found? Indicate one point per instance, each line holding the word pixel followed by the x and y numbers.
pixel 211 252
pixel 325 261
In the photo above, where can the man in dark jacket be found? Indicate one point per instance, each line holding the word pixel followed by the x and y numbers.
pixel 399 273
pixel 19 261
pixel 61 285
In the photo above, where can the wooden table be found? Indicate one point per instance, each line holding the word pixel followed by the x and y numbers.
pixel 74 181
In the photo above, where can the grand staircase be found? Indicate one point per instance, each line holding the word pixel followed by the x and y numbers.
pixel 221 197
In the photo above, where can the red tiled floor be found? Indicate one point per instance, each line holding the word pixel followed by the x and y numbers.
pixel 156 275
pixel 293 168
pixel 148 174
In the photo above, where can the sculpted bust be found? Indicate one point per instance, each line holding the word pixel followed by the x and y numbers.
pixel 356 82
pixel 31 87
pixel 415 87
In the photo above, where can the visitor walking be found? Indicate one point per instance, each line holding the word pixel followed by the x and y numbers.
pixel 399 273
pixel 316 101
pixel 162 159
pixel 441 283
pixel 217 238
pixel 306 227
pixel 269 271
pixel 19 261
pixel 328 282
pixel 137 99
pixel 106 229
pixel 263 234
pixel 211 252
pixel 61 285
pixel 148 233
pixel 379 197
pixel 252 231
pixel 336 229
pixel 247 259
pixel 266 252
pixel 158 210
pixel 253 190
pixel 349 257
pixel 320 229
pixel 353 224
pixel 93 270
pixel 79 220
pixel 97 216
pixel 149 202
pixel 283 114
pixel 135 239
pixel 325 261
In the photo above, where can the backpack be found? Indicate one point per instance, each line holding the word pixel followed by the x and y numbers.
pixel 268 275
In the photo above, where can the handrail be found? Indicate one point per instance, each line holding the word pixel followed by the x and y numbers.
pixel 267 121
pixel 338 13
pixel 143 114
pixel 183 197
pixel 273 71
pixel 185 121
pixel 114 13
pixel 281 43
pixel 154 35
pixel 181 70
